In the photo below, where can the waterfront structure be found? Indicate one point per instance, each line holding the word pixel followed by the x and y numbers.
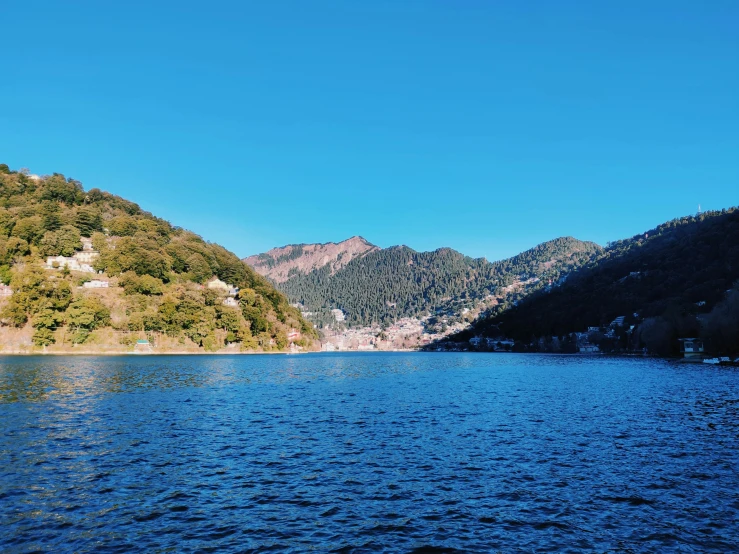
pixel 691 347
pixel 142 346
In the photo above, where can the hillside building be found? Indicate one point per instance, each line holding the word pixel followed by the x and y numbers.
pixel 96 284
pixel 71 262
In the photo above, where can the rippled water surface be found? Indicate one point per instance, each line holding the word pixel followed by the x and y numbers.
pixel 367 452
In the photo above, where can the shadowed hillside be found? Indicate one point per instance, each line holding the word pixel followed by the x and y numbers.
pixel 667 276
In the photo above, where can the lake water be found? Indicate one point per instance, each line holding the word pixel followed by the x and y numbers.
pixel 367 452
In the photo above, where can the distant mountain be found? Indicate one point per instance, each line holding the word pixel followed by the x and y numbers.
pixel 382 285
pixel 668 276
pixel 280 264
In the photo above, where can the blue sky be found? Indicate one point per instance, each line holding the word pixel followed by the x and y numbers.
pixel 487 126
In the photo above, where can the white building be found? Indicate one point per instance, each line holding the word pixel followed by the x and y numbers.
pixel 86 256
pixel 338 315
pixel 691 348
pixel 72 263
pixel 231 302
pixel 96 284
pixel 216 284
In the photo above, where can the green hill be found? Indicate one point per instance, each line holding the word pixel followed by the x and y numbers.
pixel 671 276
pixel 382 285
pixel 154 275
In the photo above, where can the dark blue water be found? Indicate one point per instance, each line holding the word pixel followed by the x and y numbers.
pixel 373 452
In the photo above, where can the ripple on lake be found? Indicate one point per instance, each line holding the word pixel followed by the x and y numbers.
pixel 471 452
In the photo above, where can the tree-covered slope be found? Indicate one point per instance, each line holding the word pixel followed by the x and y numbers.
pixel 386 284
pixel 158 269
pixel 680 269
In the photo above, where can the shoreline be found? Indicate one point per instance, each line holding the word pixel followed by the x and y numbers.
pixel 187 353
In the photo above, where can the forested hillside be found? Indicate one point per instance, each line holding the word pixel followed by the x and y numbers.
pixel 155 273
pixel 383 285
pixel 671 277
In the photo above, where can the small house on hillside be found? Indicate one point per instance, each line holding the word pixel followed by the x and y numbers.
pixel 231 302
pixel 96 284
pixel 216 284
pixel 293 335
pixel 691 348
pixel 5 290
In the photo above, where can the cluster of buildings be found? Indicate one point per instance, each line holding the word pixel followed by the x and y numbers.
pixel 81 261
pixel 585 344
pixel 406 333
pixel 231 291
pixel 494 344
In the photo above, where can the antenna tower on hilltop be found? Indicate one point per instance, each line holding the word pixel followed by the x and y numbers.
pixel 699 209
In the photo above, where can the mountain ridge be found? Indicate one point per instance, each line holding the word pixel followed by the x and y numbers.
pixel 280 263
pixel 384 284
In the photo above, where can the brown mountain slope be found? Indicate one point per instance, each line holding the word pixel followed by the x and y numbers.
pixel 279 264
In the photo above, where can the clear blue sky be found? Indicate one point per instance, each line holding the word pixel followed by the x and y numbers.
pixel 487 126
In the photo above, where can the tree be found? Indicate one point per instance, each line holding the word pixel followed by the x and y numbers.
pixel 6 222
pixel 123 226
pixel 146 284
pixel 51 220
pixel 14 314
pixel 43 336
pixel 658 335
pixel 30 229
pixel 232 322
pixel 88 221
pixel 721 325
pixel 84 315
pixel 64 242
pixel 198 268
